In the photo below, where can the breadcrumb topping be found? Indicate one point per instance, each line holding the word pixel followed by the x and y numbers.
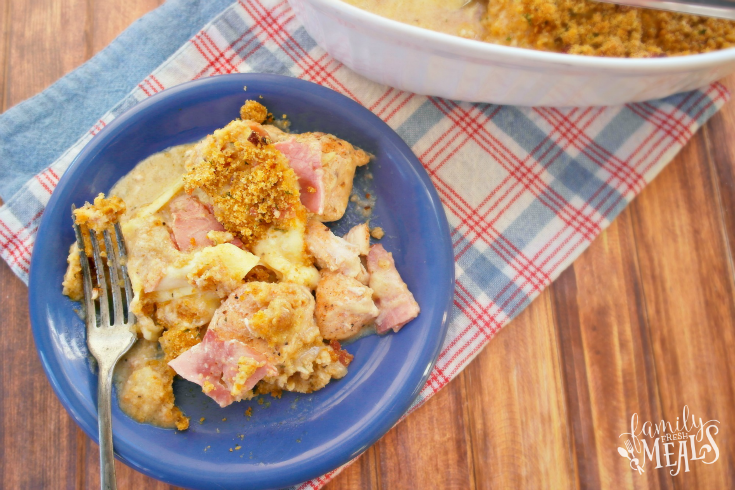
pixel 582 27
pixel 251 185
pixel 176 341
pixel 253 111
pixel 586 27
pixel 246 367
pixel 100 216
pixel 104 213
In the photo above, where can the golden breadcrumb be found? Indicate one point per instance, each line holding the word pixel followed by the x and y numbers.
pixel 377 233
pixel 104 213
pixel 250 182
pixel 282 309
pixel 246 367
pixel 586 27
pixel 263 196
pixel 96 217
pixel 176 341
pixel 99 217
pixel 253 111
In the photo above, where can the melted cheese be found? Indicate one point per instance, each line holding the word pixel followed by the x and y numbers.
pixel 284 251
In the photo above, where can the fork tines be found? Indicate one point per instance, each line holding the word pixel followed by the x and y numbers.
pixel 115 269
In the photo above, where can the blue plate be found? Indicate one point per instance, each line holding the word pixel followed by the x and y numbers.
pixel 298 437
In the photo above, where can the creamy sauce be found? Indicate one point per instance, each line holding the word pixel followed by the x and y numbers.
pixel 448 16
pixel 141 375
pixel 144 386
pixel 151 177
pixel 142 351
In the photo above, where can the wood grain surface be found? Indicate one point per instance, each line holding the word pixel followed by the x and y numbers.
pixel 643 322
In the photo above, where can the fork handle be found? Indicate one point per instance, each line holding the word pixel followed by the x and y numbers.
pixel 104 412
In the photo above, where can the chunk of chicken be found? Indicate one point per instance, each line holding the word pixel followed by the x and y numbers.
pixel 151 251
pixel 265 315
pixel 333 253
pixel 262 332
pixel 359 236
pixel 396 303
pixel 343 306
pixel 325 166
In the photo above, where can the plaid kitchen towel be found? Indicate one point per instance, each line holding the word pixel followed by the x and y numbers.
pixel 525 189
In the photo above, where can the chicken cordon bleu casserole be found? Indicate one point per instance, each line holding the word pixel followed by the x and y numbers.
pixel 238 286
pixel 582 27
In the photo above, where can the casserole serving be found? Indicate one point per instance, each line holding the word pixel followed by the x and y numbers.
pixel 433 63
pixel 271 442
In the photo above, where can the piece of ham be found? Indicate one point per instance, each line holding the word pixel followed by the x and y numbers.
pixel 359 236
pixel 225 369
pixel 306 161
pixel 333 253
pixel 396 303
pixel 191 222
pixel 246 337
pixel 343 306
pixel 325 166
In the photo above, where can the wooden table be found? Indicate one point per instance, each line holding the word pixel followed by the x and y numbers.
pixel 643 322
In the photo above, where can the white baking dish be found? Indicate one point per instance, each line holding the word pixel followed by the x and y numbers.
pixel 432 63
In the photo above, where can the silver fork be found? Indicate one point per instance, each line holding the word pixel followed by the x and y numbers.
pixel 108 340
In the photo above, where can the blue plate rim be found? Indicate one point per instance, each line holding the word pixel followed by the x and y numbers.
pixel 393 411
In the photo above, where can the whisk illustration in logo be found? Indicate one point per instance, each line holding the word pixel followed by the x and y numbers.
pixel 658 443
